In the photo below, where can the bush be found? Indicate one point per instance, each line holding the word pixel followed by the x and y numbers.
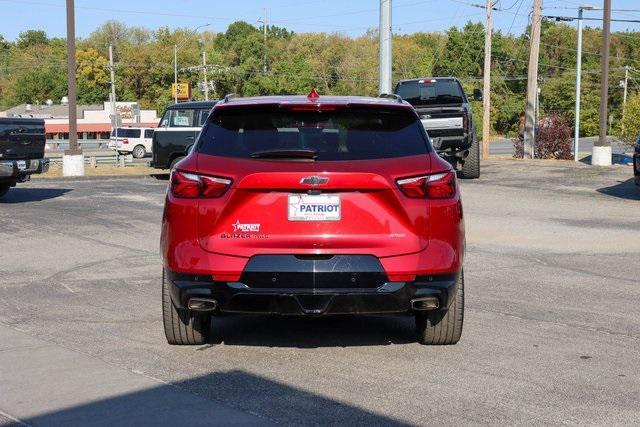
pixel 553 140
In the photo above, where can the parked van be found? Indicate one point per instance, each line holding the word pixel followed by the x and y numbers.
pixel 129 140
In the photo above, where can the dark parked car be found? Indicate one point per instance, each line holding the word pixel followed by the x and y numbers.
pixel 636 162
pixel 21 151
pixel 445 113
pixel 177 132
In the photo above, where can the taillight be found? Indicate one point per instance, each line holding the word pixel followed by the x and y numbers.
pixel 436 186
pixel 190 186
pixel 125 141
pixel 465 121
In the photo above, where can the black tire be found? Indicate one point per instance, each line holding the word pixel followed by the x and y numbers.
pixel 4 188
pixel 637 179
pixel 471 166
pixel 139 151
pixel 182 326
pixel 442 327
pixel 174 162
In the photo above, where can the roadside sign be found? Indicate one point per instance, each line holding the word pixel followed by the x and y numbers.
pixel 181 91
pixel 116 120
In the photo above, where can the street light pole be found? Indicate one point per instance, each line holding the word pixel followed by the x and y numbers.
pixel 576 138
pixel 385 46
pixel 175 73
pixel 175 64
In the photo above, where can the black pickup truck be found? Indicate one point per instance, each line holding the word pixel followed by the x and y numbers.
pixel 445 113
pixel 21 151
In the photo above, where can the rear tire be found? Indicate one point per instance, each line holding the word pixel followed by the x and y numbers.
pixel 174 162
pixel 139 152
pixel 182 326
pixel 4 189
pixel 442 327
pixel 471 166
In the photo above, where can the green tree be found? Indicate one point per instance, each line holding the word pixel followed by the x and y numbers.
pixel 92 76
pixel 32 38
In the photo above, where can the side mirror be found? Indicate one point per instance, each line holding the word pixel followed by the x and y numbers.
pixel 477 95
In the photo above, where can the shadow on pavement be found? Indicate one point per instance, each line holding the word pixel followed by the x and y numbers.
pixel 312 332
pixel 23 195
pixel 623 190
pixel 246 393
pixel 161 176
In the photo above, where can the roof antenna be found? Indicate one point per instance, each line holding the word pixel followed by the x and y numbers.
pixel 313 94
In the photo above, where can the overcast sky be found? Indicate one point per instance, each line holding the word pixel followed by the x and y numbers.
pixel 352 17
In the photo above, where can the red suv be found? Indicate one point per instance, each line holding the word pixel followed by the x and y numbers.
pixel 313 206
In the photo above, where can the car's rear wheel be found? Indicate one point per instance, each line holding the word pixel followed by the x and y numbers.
pixel 471 166
pixel 4 188
pixel 139 151
pixel 442 327
pixel 182 326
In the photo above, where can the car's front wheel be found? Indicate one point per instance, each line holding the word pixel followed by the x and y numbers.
pixel 442 327
pixel 182 326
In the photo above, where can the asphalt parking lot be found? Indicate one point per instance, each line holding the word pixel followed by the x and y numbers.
pixel 551 335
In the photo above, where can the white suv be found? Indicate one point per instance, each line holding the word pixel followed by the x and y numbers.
pixel 136 141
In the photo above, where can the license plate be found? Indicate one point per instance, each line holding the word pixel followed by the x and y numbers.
pixel 22 165
pixel 306 207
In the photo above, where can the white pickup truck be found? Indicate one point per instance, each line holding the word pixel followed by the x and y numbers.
pixel 445 113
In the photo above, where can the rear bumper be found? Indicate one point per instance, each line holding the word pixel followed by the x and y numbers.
pixel 451 144
pixel 238 297
pixel 14 170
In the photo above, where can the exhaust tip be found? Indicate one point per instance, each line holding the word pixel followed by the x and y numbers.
pixel 424 304
pixel 202 304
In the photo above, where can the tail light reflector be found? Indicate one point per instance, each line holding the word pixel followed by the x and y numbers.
pixel 465 121
pixel 436 186
pixel 125 141
pixel 190 185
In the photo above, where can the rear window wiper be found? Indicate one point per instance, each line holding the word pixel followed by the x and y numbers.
pixel 285 154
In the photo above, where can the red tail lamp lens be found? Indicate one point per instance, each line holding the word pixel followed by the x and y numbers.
pixel 189 185
pixel 436 186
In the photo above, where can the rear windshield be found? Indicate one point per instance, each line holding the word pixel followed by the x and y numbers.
pixel 333 135
pixel 430 92
pixel 126 133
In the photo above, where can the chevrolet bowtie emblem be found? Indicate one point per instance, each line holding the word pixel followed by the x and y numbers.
pixel 314 180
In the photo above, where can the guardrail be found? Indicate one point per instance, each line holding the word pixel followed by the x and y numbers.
pixel 63 144
pixel 93 160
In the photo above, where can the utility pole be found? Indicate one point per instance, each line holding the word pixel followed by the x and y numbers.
pixel 601 154
pixel 72 160
pixel 264 30
pixel 626 86
pixel 114 114
pixel 204 70
pixel 532 82
pixel 486 86
pixel 624 97
pixel 386 56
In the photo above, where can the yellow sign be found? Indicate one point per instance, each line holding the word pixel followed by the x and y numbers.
pixel 183 91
